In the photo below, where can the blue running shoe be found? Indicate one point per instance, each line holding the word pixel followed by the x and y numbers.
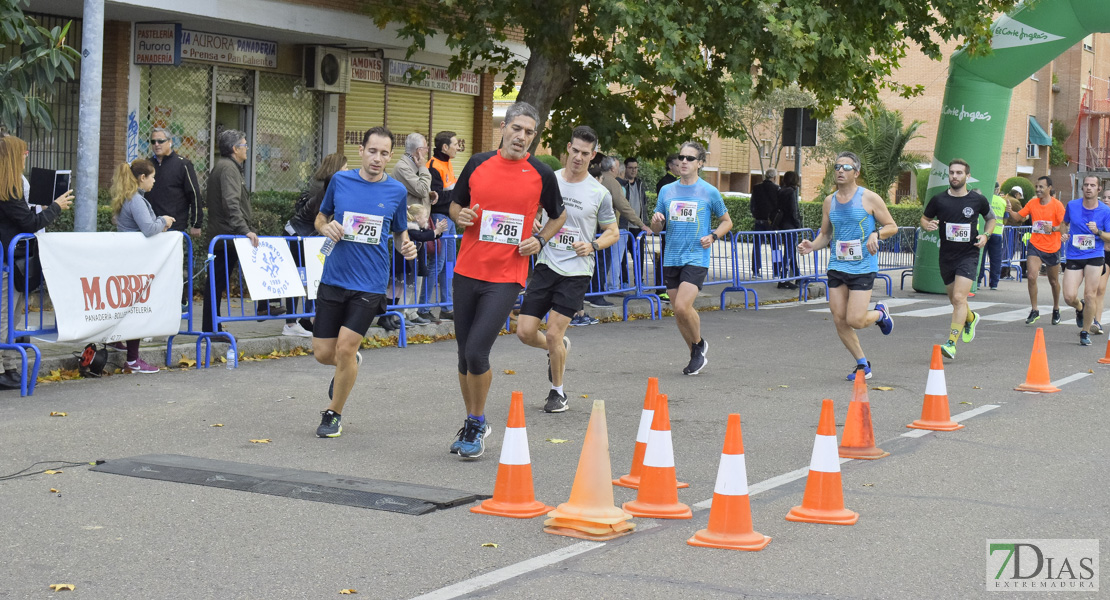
pixel 473 442
pixel 866 372
pixel 886 322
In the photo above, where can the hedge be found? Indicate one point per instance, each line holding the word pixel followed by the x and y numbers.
pixel 905 215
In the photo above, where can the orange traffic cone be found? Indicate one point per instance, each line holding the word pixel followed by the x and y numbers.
pixel 657 495
pixel 1036 378
pixel 1106 361
pixel 590 514
pixel 859 436
pixel 730 517
pixel 823 501
pixel 934 411
pixel 632 480
pixel 513 493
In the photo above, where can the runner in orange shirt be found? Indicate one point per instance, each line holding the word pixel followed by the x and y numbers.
pixel 1044 246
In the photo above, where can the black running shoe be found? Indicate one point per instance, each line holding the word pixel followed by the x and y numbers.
pixel 1055 316
pixel 330 425
pixel 556 403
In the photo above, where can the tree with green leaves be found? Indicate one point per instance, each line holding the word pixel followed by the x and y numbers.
pixel 39 59
pixel 761 119
pixel 879 137
pixel 620 66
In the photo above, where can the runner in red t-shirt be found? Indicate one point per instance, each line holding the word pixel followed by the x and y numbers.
pixel 496 200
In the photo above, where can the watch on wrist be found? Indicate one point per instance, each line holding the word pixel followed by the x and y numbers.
pixel 715 236
pixel 539 238
pixel 595 246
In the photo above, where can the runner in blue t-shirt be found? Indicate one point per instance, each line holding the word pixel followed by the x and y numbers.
pixel 686 207
pixel 1086 231
pixel 358 209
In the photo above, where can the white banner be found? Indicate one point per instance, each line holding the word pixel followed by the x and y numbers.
pixel 108 287
pixel 314 264
pixel 269 269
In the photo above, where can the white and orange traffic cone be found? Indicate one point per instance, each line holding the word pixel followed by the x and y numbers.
pixel 823 501
pixel 591 514
pixel 858 440
pixel 513 493
pixel 934 411
pixel 632 480
pixel 1037 378
pixel 657 495
pixel 730 516
pixel 1106 360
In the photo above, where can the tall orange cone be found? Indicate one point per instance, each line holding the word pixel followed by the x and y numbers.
pixel 632 480
pixel 590 514
pixel 730 517
pixel 934 411
pixel 657 495
pixel 1036 378
pixel 513 493
pixel 1106 361
pixel 823 501
pixel 858 440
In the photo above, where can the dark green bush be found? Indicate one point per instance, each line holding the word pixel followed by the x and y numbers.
pixel 1025 185
pixel 550 161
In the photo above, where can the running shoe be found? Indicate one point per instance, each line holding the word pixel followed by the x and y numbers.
pixel 1055 316
pixel 1033 316
pixel 592 320
pixel 948 349
pixel 566 345
pixel 295 330
pixel 1096 328
pixel 579 321
pixel 1084 339
pixel 599 302
pixel 866 371
pixel 886 322
pixel 556 402
pixel 462 431
pixel 427 316
pixel 1079 315
pixel 330 425
pixel 141 366
pixel 473 442
pixel 446 315
pixel 969 327
pixel 697 358
pixel 331 386
pixel 664 297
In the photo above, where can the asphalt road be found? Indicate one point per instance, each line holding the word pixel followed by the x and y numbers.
pixel 1032 468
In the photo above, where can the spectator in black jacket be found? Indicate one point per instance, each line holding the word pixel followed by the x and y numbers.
pixel 671 176
pixel 787 216
pixel 16 218
pixel 764 197
pixel 175 192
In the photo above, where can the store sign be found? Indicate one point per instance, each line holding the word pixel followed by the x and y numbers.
pixel 367 68
pixel 229 49
pixel 157 44
pixel 435 78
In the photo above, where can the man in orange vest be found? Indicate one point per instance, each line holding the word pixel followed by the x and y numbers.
pixel 447 145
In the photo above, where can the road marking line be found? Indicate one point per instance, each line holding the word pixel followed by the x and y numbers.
pixel 1069 379
pixel 943 310
pixel 506 573
pixel 916 433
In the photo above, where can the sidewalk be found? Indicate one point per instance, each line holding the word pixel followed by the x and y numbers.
pixel 257 338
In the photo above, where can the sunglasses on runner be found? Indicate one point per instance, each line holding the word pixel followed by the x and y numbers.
pixel 844 168
pixel 687 158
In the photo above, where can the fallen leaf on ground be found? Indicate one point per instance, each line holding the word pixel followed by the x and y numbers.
pixel 965 402
pixel 186 362
pixel 975 387
pixel 585 396
pixel 784 386
pixel 216 425
pixel 260 441
pixel 489 545
pixel 51 472
pixel 57 587
pixel 883 388
pixel 53 491
pixel 555 441
pixel 348 591
pixel 869 485
pixel 509 372
pixel 57 414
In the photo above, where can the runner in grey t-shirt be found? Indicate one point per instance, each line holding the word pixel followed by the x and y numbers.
pixel 565 265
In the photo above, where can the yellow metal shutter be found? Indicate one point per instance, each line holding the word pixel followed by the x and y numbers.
pixel 408 112
pixel 364 110
pixel 455 112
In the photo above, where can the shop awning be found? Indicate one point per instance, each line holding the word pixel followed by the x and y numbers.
pixel 1037 136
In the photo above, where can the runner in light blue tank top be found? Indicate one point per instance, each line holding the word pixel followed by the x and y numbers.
pixel 853 262
pixel 851 225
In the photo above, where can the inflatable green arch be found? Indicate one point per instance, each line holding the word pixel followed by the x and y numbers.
pixel 977 99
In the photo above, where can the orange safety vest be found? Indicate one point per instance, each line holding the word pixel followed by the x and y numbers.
pixel 446 172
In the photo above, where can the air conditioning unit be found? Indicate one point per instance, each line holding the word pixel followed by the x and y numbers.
pixel 327 69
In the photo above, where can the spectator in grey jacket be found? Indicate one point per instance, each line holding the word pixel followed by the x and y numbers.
pixel 132 212
pixel 229 213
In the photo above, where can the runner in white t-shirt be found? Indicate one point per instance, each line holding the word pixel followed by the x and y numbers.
pixel 564 267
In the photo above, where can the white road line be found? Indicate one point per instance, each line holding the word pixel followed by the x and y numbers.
pixel 505 573
pixel 1069 379
pixel 973 412
pixel 891 302
pixel 943 310
pixel 1013 315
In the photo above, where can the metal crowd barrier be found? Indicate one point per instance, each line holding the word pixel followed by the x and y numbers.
pixel 897 253
pixel 1014 250
pixel 421 292
pixel 27 380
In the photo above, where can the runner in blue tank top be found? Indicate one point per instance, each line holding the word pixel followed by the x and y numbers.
pixel 848 219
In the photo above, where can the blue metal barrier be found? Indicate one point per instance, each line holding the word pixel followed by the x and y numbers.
pixel 420 294
pixel 187 308
pixel 602 282
pixel 1014 250
pixel 27 380
pixel 897 253
pixel 786 264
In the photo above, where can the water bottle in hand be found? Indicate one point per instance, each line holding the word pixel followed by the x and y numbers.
pixel 329 245
pixel 232 360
